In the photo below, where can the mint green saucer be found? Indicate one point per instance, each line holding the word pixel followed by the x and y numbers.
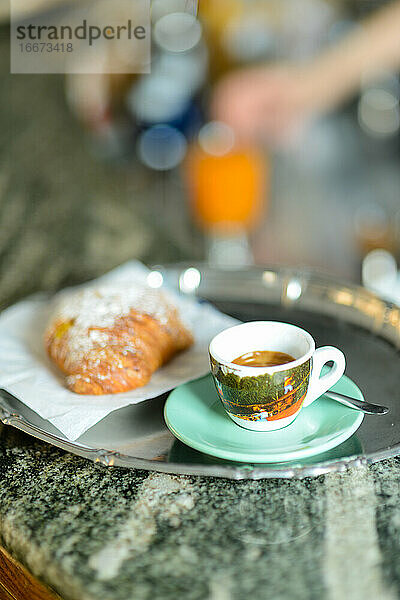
pixel 195 415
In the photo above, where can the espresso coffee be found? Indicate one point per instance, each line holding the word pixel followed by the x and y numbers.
pixel 263 358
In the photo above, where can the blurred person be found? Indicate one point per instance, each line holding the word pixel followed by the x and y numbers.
pixel 273 103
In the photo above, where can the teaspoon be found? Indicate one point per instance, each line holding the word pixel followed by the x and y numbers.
pixel 366 407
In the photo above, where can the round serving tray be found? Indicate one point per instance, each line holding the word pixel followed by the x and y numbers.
pixel 364 326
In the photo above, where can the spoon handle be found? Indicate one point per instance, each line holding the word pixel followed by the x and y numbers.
pixel 366 407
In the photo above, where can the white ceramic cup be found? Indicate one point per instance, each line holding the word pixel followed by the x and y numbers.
pixel 269 398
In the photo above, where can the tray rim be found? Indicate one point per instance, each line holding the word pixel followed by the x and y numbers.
pixel 108 458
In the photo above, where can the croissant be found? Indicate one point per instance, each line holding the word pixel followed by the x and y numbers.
pixel 112 338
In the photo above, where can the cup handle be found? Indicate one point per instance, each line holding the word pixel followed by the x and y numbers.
pixel 318 385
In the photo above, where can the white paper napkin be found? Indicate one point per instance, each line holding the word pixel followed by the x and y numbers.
pixel 26 371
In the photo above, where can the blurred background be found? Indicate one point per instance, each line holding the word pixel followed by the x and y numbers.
pixel 99 169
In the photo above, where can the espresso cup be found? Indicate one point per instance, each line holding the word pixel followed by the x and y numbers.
pixel 269 398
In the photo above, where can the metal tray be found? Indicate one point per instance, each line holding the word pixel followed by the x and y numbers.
pixel 365 327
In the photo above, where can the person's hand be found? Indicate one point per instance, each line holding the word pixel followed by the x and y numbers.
pixel 267 103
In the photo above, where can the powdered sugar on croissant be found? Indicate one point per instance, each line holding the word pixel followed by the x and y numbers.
pixel 111 338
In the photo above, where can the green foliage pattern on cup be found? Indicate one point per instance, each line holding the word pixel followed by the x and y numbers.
pixel 271 396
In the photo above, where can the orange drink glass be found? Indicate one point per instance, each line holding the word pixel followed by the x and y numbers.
pixel 227 189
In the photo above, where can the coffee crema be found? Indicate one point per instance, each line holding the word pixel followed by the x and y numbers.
pixel 263 358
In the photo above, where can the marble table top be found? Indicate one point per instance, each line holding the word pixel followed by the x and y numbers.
pixel 95 533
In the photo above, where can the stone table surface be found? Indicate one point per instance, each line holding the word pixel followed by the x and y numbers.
pixel 93 532
pixel 96 533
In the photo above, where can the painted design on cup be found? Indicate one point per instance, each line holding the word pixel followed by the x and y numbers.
pixel 264 397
